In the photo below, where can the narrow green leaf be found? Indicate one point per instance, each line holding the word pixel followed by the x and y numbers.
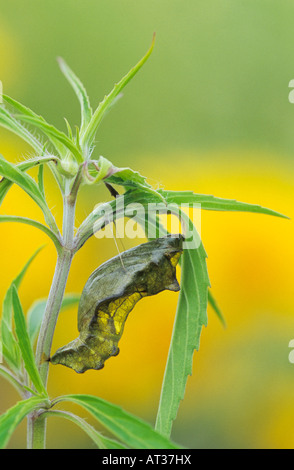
pixel 58 138
pixel 101 441
pixel 209 202
pixel 11 351
pixel 24 110
pixel 126 427
pixel 10 347
pixel 54 135
pixel 70 300
pixel 14 174
pixel 24 343
pixel 128 178
pixel 34 319
pixel 191 316
pixel 24 181
pixel 102 168
pixel 216 308
pixel 17 281
pixel 36 313
pixel 6 184
pixel 9 122
pixel 118 207
pixel 15 126
pixel 89 135
pixel 80 91
pixel 69 131
pixel 11 419
pixel 33 223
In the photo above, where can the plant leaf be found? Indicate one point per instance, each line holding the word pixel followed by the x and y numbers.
pixel 9 122
pixel 6 184
pixel 79 89
pixel 24 110
pixel 126 427
pixel 55 136
pixel 33 223
pixel 102 168
pixel 24 343
pixel 36 313
pixel 24 181
pixel 216 308
pixel 101 441
pixel 128 178
pixel 10 420
pixel 70 300
pixel 14 174
pixel 10 348
pixel 60 140
pixel 209 202
pixel 11 351
pixel 90 225
pixel 89 135
pixel 191 316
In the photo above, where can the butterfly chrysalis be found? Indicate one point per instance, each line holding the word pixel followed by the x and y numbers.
pixel 110 294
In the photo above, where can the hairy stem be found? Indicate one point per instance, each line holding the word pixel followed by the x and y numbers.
pixel 37 425
pixel 52 311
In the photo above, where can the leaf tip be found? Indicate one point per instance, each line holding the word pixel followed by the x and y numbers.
pixel 152 42
pixel 62 64
pixel 60 60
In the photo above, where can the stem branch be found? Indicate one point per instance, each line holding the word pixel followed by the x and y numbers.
pixel 36 424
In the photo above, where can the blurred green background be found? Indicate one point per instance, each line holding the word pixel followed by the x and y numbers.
pixel 209 112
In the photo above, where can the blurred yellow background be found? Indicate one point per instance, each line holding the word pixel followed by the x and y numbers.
pixel 209 112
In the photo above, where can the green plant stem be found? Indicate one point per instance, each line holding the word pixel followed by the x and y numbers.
pixel 51 312
pixel 37 425
pixel 36 432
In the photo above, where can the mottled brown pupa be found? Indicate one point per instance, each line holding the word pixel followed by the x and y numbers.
pixel 110 294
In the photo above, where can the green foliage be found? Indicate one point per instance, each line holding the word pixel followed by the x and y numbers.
pixel 71 159
pixel 24 166
pixel 10 123
pixel 101 441
pixel 25 182
pixel 131 430
pixel 25 344
pixel 90 132
pixel 11 419
pixel 10 346
pixel 79 89
pixel 191 316
pixel 209 202
pixel 216 308
pixel 34 223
